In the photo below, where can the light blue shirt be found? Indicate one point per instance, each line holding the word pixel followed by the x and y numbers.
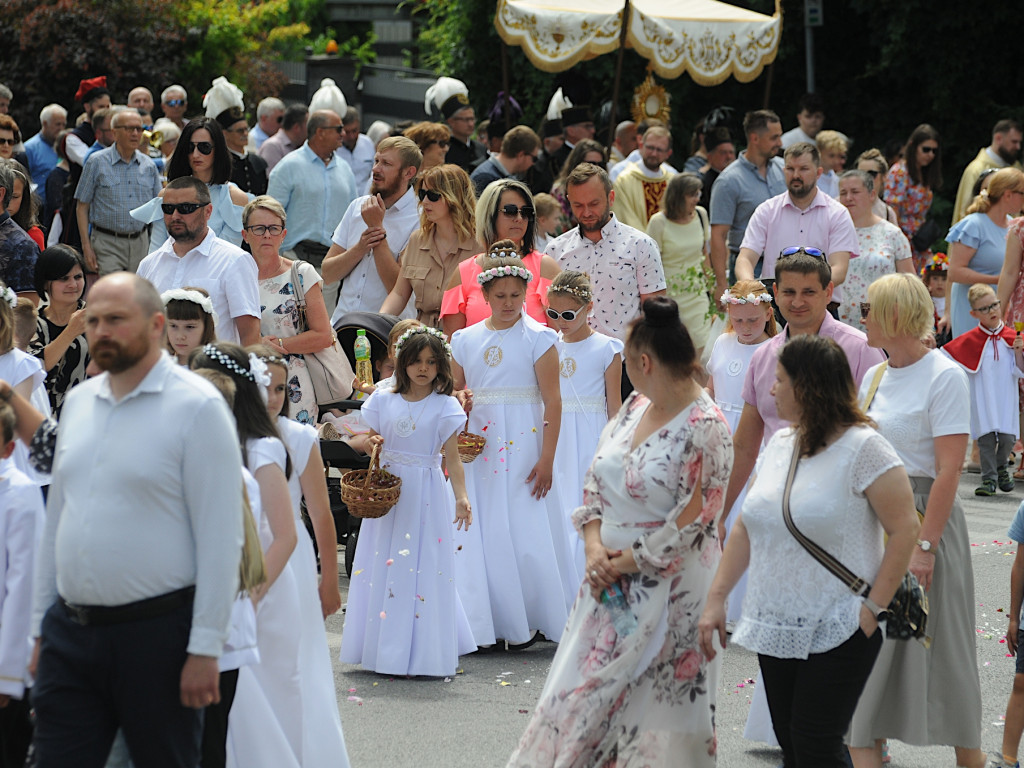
pixel 988 240
pixel 315 196
pixel 41 159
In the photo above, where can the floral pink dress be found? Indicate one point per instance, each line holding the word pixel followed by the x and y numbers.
pixel 647 698
pixel 1015 310
pixel 911 202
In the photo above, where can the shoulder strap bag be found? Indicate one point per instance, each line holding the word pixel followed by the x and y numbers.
pixel 329 369
pixel 908 610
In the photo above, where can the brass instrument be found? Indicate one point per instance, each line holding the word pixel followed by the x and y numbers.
pixel 153 138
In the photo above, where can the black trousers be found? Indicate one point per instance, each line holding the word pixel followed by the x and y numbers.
pixel 215 723
pixel 94 679
pixel 15 732
pixel 812 700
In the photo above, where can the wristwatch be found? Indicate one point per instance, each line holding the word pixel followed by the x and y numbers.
pixel 881 614
pixel 926 546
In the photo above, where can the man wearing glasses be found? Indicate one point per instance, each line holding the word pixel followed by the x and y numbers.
pixel 114 181
pixel 639 190
pixel 802 215
pixel 193 255
pixel 451 98
pixel 174 102
pixel 224 103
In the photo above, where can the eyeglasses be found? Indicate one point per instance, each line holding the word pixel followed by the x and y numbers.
pixel 512 211
pixel 865 308
pixel 8 142
pixel 443 144
pixel 569 315
pixel 470 118
pixel 240 131
pixel 260 230
pixel 989 308
pixel 873 174
pixel 130 128
pixel 795 249
pixel 336 128
pixel 183 208
pixel 175 102
pixel 929 150
pixel 204 147
pixel 432 194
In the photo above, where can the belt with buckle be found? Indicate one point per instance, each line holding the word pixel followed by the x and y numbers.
pixel 122 235
pixel 151 607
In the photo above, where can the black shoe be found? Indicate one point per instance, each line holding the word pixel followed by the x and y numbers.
pixel 1005 480
pixel 987 488
pixel 523 646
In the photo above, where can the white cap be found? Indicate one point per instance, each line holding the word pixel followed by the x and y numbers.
pixel 329 96
pixel 224 102
pixel 446 96
pixel 558 103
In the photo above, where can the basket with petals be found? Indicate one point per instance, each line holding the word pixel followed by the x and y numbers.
pixel 370 493
pixel 470 445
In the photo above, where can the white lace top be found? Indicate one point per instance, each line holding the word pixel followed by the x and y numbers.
pixel 793 606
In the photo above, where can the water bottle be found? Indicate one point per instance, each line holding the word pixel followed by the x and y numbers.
pixel 364 367
pixel 621 613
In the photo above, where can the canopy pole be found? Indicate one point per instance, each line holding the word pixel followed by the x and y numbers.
pixel 623 31
pixel 504 83
pixel 767 104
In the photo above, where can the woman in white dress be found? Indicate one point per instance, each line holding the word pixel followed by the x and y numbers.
pixel 513 569
pixel 404 616
pixel 805 624
pixel 590 374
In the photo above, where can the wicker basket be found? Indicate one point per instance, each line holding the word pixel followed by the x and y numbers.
pixel 470 445
pixel 370 493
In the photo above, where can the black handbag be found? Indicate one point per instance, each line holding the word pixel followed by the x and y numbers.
pixel 908 610
pixel 926 234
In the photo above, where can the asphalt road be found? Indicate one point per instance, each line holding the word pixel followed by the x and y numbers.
pixel 474 720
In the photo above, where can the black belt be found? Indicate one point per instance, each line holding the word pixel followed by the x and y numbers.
pixel 122 235
pixel 151 607
pixel 313 247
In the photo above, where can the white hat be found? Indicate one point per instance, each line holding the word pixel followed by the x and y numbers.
pixel 558 102
pixel 224 102
pixel 446 96
pixel 329 96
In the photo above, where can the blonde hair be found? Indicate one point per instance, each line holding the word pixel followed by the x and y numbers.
pixel 830 141
pixel 545 205
pixel 221 381
pixel 978 290
pixel 454 185
pixel 901 306
pixel 756 287
pixel 408 153
pixel 267 203
pixel 575 284
pixel 398 329
pixel 1002 181
pixel 25 317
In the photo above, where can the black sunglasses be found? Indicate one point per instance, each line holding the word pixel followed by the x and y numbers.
pixel 433 194
pixel 929 150
pixel 8 142
pixel 865 308
pixel 569 315
pixel 873 174
pixel 204 147
pixel 512 211
pixel 336 128
pixel 183 208
pixel 795 249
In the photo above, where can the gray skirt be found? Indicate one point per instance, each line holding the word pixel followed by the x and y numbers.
pixel 930 696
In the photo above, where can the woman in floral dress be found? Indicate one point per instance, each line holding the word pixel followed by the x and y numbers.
pixel 652 500
pixel 911 182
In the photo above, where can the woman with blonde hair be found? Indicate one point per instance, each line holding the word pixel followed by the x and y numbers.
pixel 977 243
pixel 920 401
pixel 432 139
pixel 445 239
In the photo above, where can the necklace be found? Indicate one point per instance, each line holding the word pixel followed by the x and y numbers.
pixel 493 354
pixel 406 425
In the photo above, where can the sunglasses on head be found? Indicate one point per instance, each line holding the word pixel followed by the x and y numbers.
pixel 183 208
pixel 795 249
pixel 432 194
pixel 569 315
pixel 204 147
pixel 512 211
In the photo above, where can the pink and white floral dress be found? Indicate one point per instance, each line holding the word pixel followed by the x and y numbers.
pixel 648 698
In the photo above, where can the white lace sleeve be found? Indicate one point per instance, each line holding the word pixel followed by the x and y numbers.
pixel 875 458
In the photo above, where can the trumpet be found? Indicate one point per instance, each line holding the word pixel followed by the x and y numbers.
pixel 153 138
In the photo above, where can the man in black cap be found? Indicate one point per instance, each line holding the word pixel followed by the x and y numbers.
pixel 225 104
pixel 577 125
pixel 541 176
pixel 451 98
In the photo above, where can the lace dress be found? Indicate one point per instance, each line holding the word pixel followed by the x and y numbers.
pixel 646 699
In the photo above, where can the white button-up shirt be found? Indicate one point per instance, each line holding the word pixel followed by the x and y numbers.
pixel 362 290
pixel 622 265
pixel 360 160
pixel 223 270
pixel 145 500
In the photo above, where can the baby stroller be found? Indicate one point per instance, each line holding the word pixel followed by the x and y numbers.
pixel 335 453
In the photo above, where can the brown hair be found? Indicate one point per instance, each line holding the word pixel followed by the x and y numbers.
pixel 410 352
pixel 931 175
pixel 660 333
pixel 183 309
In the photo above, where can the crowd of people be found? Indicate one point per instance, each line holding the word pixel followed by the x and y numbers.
pixel 655 363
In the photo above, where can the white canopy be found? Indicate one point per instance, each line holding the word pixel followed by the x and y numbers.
pixel 709 39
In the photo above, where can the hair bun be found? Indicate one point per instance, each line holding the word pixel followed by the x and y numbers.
pixel 660 312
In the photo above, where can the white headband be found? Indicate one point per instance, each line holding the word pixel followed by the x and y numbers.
pixel 181 294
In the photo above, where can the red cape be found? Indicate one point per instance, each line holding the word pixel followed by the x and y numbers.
pixel 967 347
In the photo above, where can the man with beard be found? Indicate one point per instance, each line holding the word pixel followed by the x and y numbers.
pixel 1002 152
pixel 194 256
pixel 138 566
pixel 802 216
pixel 755 176
pixel 638 191
pixel 374 231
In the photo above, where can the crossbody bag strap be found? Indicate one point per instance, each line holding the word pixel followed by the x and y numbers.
pixel 856 584
pixel 875 381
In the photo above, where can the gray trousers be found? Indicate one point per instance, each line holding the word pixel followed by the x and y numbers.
pixel 119 254
pixel 994 449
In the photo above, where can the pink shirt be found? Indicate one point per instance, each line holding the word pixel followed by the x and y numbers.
pixel 757 388
pixel 777 224
pixel 467 298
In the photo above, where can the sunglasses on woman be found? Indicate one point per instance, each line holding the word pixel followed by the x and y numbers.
pixel 569 315
pixel 512 211
pixel 204 147
pixel 432 194
pixel 795 249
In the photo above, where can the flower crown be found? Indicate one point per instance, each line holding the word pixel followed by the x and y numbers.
pixel 939 262
pixel 182 294
pixel 423 329
pixel 257 371
pixel 10 297
pixel 751 298
pixel 581 293
pixel 505 271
